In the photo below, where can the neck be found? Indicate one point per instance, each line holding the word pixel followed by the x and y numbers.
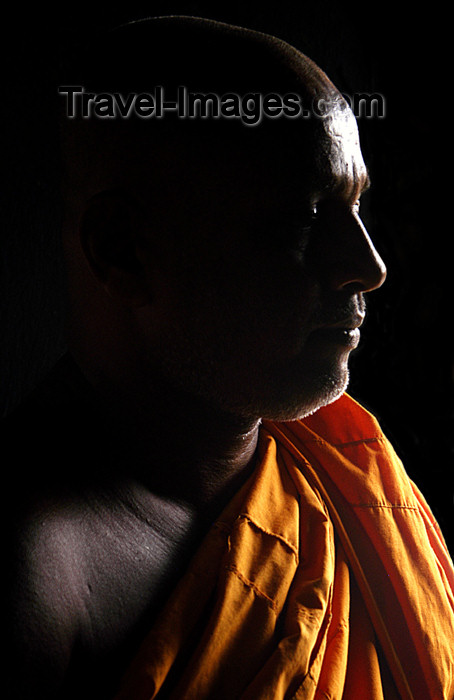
pixel 175 444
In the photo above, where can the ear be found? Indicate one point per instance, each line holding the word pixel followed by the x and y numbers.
pixel 111 234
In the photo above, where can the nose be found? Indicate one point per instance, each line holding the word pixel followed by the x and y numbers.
pixel 351 261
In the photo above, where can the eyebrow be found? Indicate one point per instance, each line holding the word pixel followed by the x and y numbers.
pixel 354 188
pixel 366 183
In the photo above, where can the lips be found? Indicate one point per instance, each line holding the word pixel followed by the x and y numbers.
pixel 340 310
pixel 340 328
pixel 350 323
pixel 343 339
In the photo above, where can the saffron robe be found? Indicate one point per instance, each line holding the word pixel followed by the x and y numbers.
pixel 325 577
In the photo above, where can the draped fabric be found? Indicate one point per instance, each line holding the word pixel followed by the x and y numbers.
pixel 325 577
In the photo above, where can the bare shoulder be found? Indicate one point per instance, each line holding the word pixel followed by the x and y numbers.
pixel 46 597
pixel 44 445
pixel 84 583
pixel 85 572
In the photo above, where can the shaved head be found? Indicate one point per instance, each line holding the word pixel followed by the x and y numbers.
pixel 167 53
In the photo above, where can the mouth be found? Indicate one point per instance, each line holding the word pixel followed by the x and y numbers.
pixel 349 323
pixel 344 333
pixel 347 338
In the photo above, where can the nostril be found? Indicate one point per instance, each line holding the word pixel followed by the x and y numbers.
pixel 361 273
pixel 353 287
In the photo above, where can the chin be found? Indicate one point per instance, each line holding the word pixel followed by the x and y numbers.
pixel 301 400
pixel 285 392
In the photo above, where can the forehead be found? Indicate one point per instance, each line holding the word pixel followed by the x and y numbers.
pixel 323 160
pixel 341 165
pixel 286 166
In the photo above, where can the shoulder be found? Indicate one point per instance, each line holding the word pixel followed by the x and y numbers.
pixel 43 559
pixel 45 596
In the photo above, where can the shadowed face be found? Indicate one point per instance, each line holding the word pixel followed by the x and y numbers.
pixel 248 283
pixel 258 306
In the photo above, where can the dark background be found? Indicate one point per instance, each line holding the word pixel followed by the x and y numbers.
pixel 403 370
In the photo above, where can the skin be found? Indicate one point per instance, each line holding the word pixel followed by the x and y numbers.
pixel 251 316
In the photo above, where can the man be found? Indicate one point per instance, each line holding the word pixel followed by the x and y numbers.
pixel 205 513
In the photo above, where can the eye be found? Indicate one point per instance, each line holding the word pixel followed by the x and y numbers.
pixel 287 230
pixel 298 227
pixel 314 213
pixel 301 220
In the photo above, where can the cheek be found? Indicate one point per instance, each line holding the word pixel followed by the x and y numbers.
pixel 238 307
pixel 265 306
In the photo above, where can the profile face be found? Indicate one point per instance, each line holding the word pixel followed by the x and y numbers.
pixel 261 305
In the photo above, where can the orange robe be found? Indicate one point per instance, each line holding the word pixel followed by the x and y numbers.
pixel 325 577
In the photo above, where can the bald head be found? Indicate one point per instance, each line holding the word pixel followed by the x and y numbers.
pixel 160 60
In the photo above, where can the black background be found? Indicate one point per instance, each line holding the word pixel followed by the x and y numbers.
pixel 404 369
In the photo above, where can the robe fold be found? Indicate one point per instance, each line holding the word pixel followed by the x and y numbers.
pixel 325 577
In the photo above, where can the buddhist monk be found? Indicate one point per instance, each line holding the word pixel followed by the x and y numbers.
pixel 199 509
